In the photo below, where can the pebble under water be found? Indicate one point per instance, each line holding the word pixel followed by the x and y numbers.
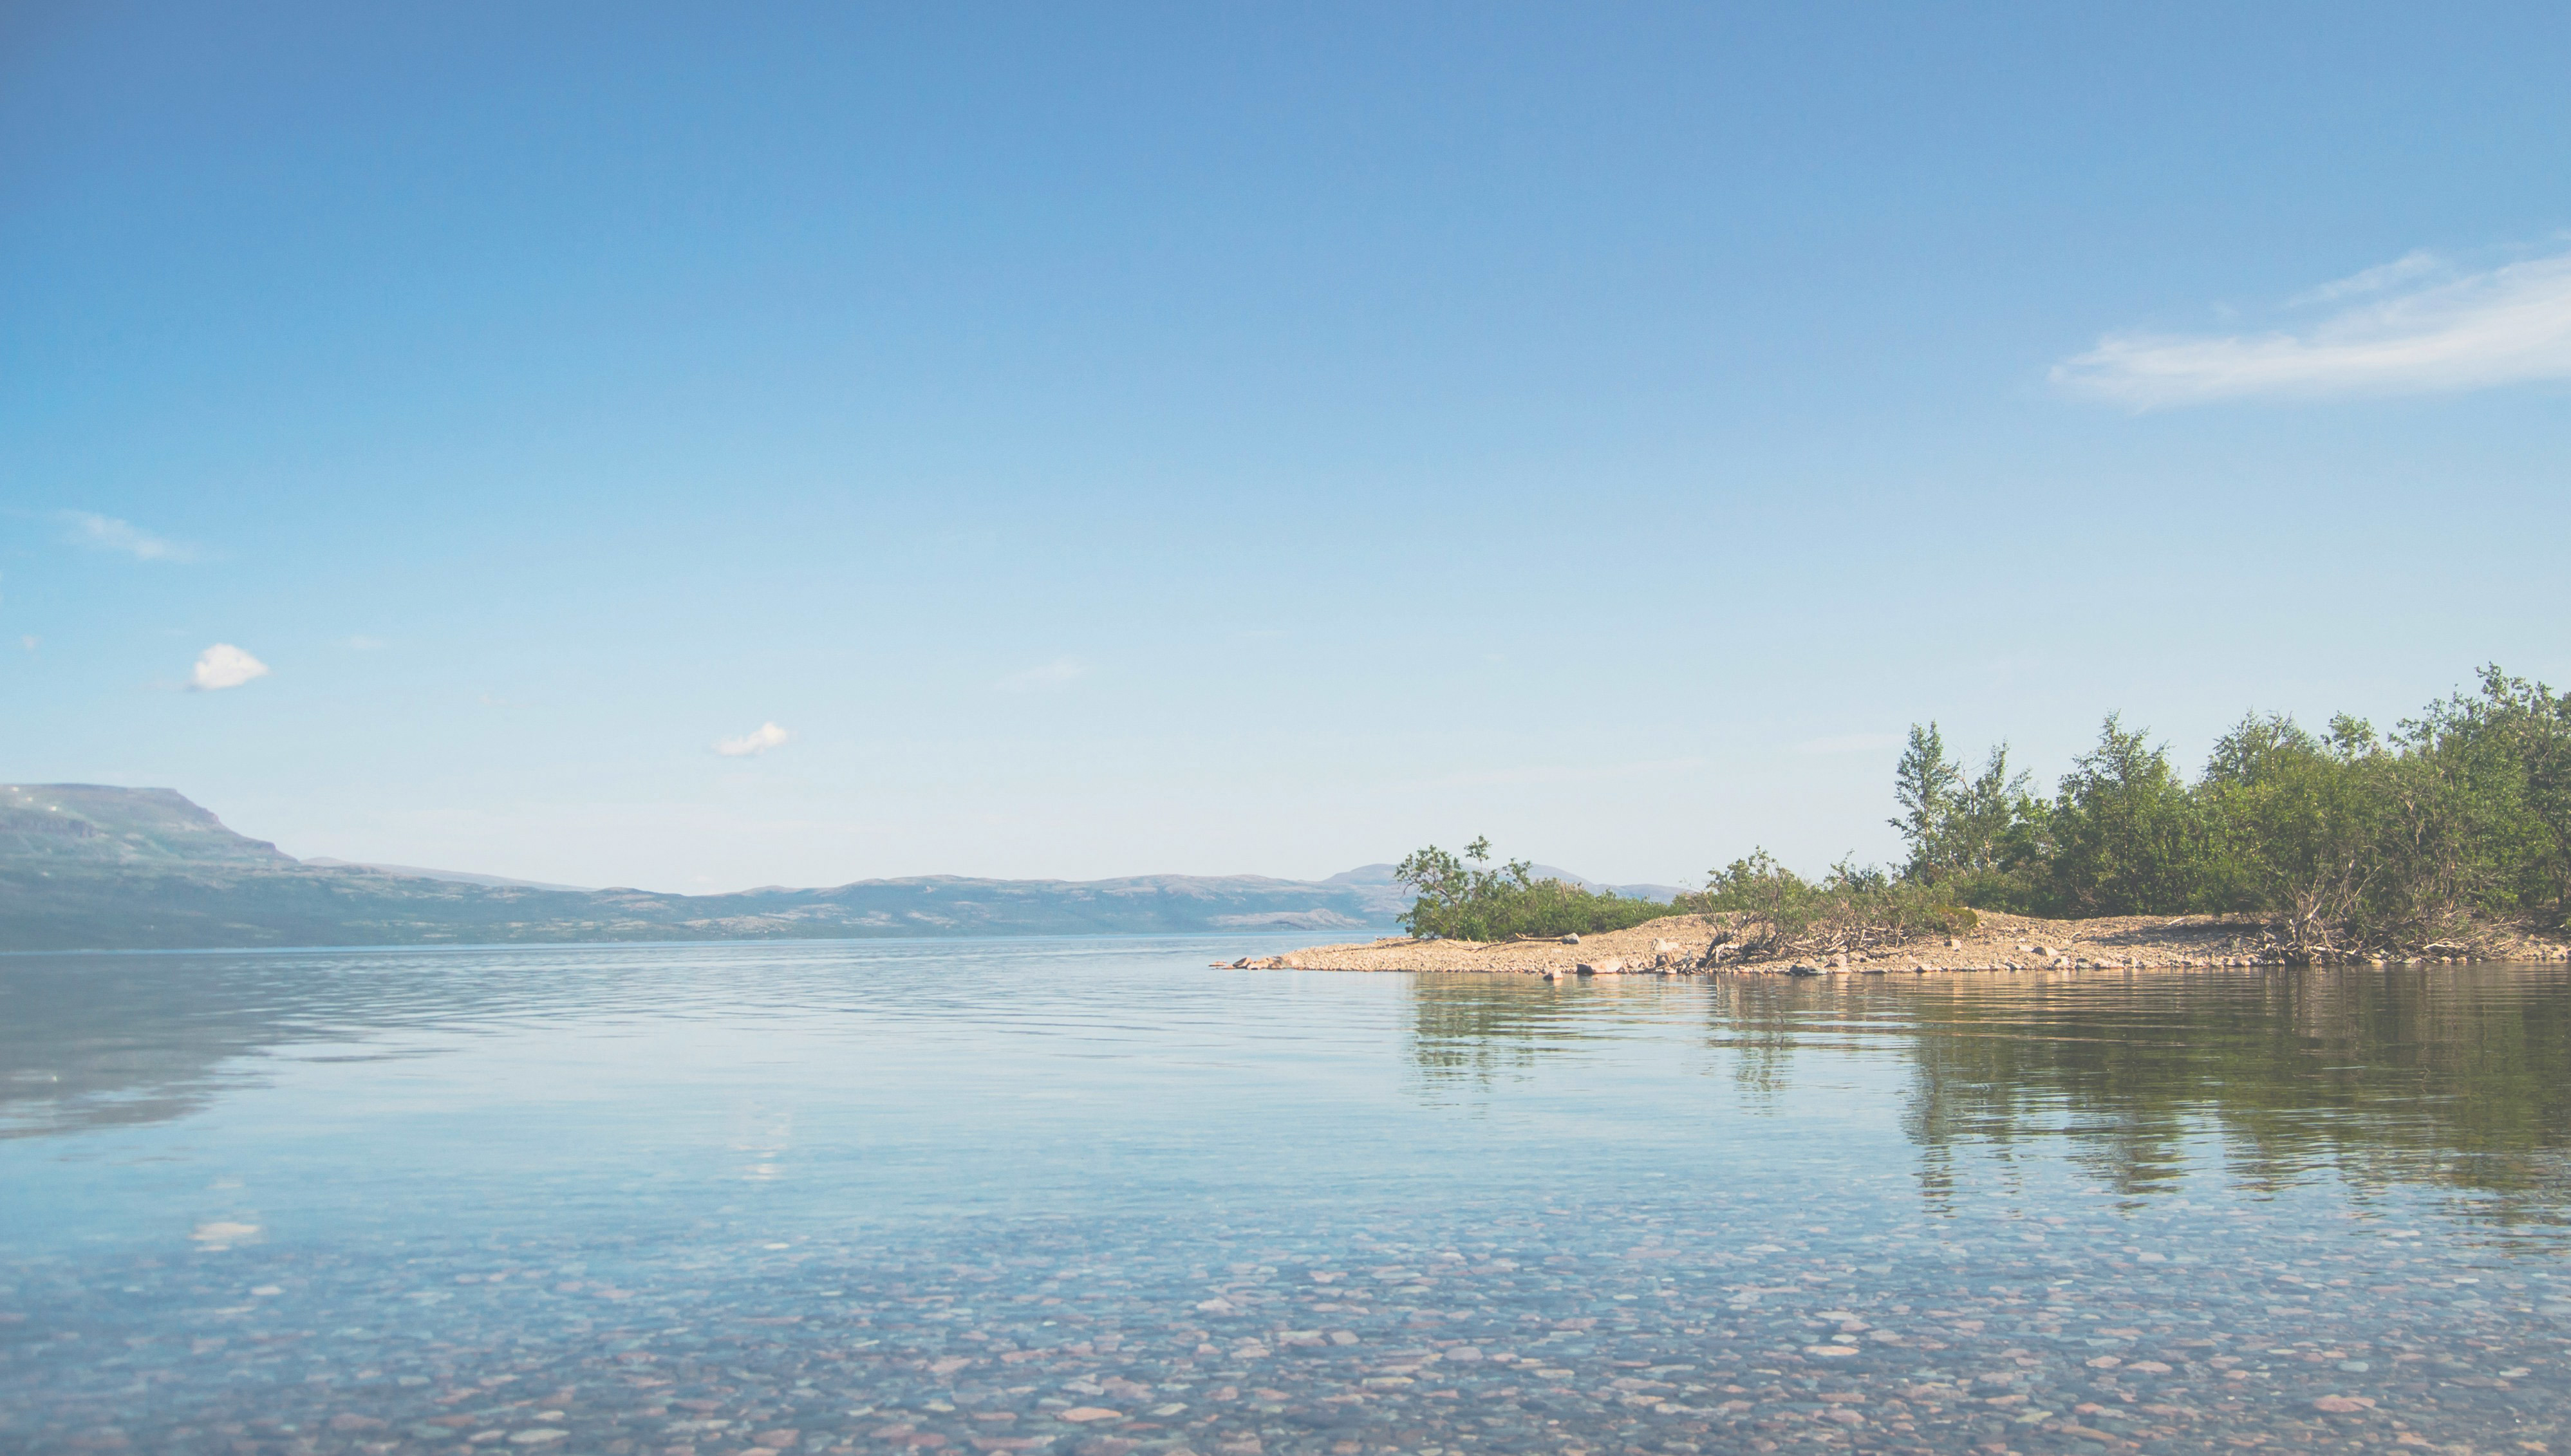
pixel 1090 1197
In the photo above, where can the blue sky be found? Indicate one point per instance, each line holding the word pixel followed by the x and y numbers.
pixel 1077 441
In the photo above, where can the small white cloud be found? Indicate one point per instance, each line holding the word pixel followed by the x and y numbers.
pixel 28 642
pixel 223 665
pixel 1849 743
pixel 2415 329
pixel 1051 675
pixel 757 740
pixel 364 644
pixel 107 533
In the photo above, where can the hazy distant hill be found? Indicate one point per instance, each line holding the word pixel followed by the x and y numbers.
pixel 91 867
pixel 459 876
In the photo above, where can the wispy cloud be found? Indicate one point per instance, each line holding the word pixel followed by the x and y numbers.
pixel 757 740
pixel 1849 743
pixel 364 644
pixel 1566 773
pixel 223 665
pixel 1051 675
pixel 2418 264
pixel 107 533
pixel 2412 326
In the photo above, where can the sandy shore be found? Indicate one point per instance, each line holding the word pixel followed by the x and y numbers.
pixel 1681 945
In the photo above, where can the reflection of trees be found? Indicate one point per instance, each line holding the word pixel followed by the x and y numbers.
pixel 1480 1028
pixel 1753 1023
pixel 2456 1078
pixel 1484 1028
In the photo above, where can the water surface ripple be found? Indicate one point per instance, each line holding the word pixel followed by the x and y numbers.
pixel 1090 1197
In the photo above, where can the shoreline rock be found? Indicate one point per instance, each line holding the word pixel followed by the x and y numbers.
pixel 2001 944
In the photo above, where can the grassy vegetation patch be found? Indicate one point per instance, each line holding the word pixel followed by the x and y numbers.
pixel 1463 899
pixel 2446 831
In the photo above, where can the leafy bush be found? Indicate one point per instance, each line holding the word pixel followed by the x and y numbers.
pixel 2294 825
pixel 2458 824
pixel 1461 901
pixel 2498 767
pixel 2125 837
pixel 1849 909
pixel 2455 825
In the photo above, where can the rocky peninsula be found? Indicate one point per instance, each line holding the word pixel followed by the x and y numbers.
pixel 1725 945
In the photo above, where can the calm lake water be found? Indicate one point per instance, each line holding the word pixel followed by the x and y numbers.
pixel 1090 1197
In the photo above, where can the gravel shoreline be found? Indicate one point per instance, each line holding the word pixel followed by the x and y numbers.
pixel 1694 944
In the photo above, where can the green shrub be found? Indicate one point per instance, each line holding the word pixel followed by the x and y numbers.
pixel 2125 835
pixel 1849 909
pixel 1461 901
pixel 2457 825
pixel 1958 829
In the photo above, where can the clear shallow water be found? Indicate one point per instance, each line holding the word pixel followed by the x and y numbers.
pixel 1090 1197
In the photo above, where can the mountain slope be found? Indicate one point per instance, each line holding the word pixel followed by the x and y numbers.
pixel 96 867
pixel 458 876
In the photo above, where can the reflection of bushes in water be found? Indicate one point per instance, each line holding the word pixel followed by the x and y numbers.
pixel 2389 1077
pixel 2458 1078
pixel 1757 1038
pixel 1478 1027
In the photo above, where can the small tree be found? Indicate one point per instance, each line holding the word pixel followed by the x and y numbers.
pixel 1450 891
pixel 1464 901
pixel 1965 835
pixel 1926 784
pixel 2298 827
pixel 2127 838
pixel 2500 767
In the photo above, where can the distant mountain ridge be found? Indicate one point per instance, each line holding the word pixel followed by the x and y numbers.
pixel 100 867
pixel 458 876
pixel 86 866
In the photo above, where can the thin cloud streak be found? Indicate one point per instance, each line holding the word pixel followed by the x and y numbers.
pixel 2371 281
pixel 1526 774
pixel 2443 334
pixel 107 533
pixel 1055 674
